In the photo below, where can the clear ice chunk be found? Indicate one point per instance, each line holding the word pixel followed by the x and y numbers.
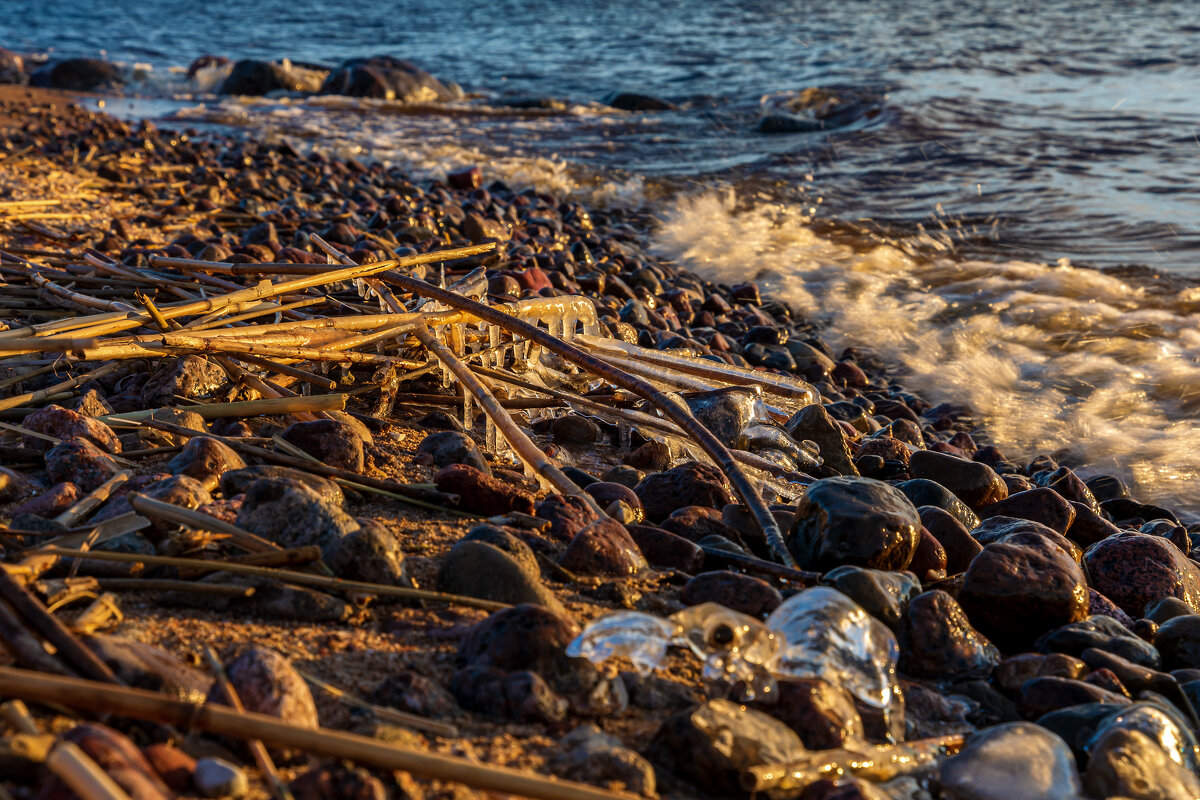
pixel 827 635
pixel 640 637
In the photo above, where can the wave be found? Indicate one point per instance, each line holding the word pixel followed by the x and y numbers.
pixel 1102 373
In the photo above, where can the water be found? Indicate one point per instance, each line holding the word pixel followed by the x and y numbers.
pixel 981 144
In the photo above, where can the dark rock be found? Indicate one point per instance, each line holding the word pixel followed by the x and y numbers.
pixel 883 595
pixel 386 78
pixel 337 782
pixel 1018 531
pixel 974 483
pixel 1071 488
pixel 1014 671
pixel 603 548
pixel 524 696
pixel 886 448
pixel 1135 569
pixel 1076 725
pixel 1167 608
pixel 567 515
pixel 823 715
pixel 249 77
pixel 856 521
pixel 961 548
pixel 479 569
pixel 1107 487
pixel 814 424
pixel 267 683
pixel 689 484
pixel 49 503
pixel 1088 527
pixel 328 440
pixel 605 494
pixel 743 593
pixel 371 554
pixel 80 462
pixel 174 766
pixel 924 492
pixel 1128 763
pixel 1100 605
pixel 1178 641
pixel 713 744
pixel 591 756
pixel 79 75
pixel 1122 510
pixel 624 475
pixel 206 459
pixel 696 522
pixel 653 456
pixel 937 640
pixel 62 423
pixel 1040 505
pixel 415 693
pixel 1040 696
pixel 631 101
pixel 292 514
pixel 1010 761
pixel 190 376
pixel 1014 592
pixel 440 420
pixel 1102 633
pixel 482 493
pixel 237 481
pixel 452 447
pixel 725 412
pixel 465 179
pixel 929 561
pixel 664 549
pixel 574 429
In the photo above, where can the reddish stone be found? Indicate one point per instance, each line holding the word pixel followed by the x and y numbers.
pixel 63 423
pixel 52 502
pixel 664 549
pixel 483 494
pixel 603 548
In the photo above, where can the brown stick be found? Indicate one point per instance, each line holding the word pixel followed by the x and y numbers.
pixel 283 575
pixel 26 647
pixel 72 650
pixel 167 585
pixel 292 557
pixel 83 775
pixel 246 408
pixel 201 521
pixel 215 719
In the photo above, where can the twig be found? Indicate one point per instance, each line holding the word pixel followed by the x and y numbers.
pixel 283 575
pixel 170 512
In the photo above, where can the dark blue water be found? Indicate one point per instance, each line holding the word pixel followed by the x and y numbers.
pixel 1040 130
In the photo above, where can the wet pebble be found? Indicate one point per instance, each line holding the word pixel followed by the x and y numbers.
pixel 743 593
pixel 857 521
pixel 814 424
pixel 603 548
pixel 1129 764
pixel 215 777
pixel 665 549
pixel 974 483
pixel 1103 633
pixel 712 745
pixel 1136 569
pixel 1012 593
pixel 690 484
pixel 937 640
pixel 1015 761
pixel 959 546
pixel 1039 505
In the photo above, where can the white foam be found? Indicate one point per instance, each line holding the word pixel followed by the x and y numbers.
pixel 1054 359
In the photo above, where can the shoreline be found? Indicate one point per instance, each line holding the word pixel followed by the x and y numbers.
pixel 142 194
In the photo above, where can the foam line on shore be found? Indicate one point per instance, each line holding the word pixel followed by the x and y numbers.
pixel 1053 359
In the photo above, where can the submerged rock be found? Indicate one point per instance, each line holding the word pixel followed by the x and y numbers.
pixel 385 78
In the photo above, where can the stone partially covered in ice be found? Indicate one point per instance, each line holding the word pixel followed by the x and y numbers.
pixel 824 634
pixel 735 647
pixel 642 638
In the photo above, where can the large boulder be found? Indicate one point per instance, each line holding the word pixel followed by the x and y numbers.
pixel 250 77
pixel 79 75
pixel 386 78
